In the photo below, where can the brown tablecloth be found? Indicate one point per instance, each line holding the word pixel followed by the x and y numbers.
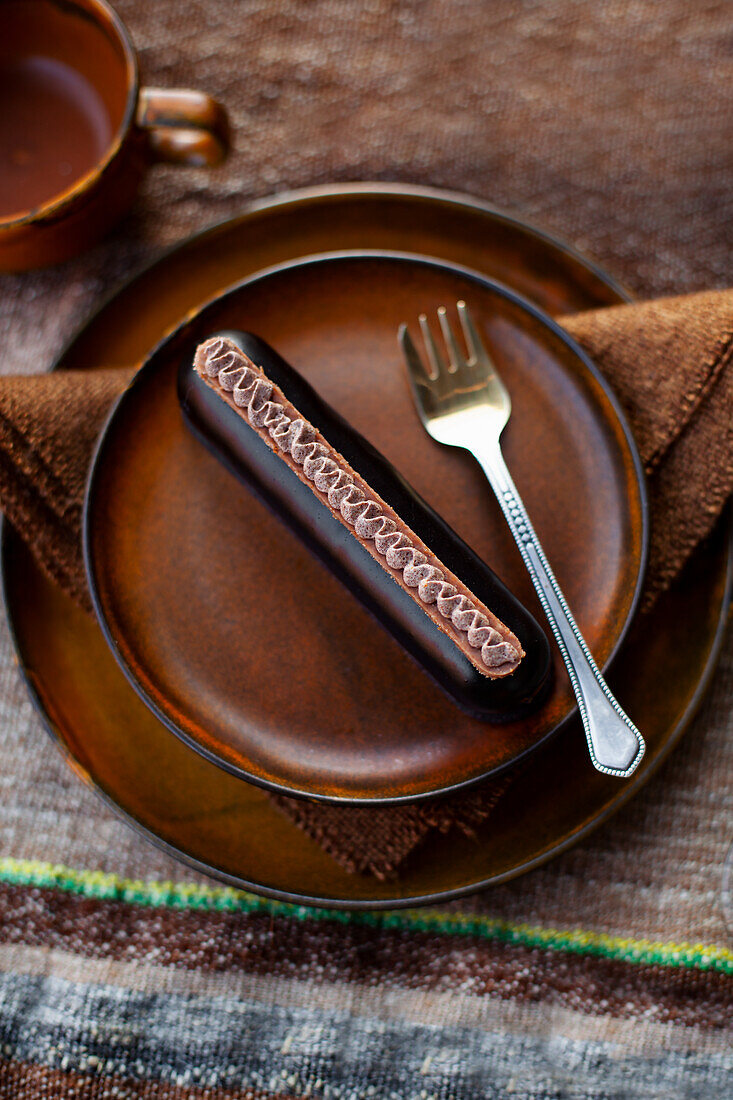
pixel 611 125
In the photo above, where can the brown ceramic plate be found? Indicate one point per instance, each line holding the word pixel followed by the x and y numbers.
pixel 193 578
pixel 228 828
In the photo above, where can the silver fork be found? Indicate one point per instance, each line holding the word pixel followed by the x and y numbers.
pixel 464 403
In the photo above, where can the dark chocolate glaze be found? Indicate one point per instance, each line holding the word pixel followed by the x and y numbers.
pixel 224 432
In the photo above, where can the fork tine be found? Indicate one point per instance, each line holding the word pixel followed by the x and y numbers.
pixel 474 343
pixel 436 359
pixel 410 354
pixel 454 352
pixel 416 372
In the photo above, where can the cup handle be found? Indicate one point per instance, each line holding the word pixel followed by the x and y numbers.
pixel 183 126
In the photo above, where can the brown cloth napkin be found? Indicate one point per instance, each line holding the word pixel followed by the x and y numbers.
pixel 671 364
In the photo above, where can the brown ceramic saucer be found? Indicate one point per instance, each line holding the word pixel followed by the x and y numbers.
pixel 227 828
pixel 194 581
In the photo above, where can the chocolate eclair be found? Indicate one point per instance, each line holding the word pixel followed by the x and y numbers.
pixel 350 505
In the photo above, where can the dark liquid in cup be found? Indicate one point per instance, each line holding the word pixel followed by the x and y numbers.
pixel 54 127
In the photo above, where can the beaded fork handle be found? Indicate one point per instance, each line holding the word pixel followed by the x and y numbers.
pixel 616 746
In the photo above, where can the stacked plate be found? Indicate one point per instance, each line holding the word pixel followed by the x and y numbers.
pixel 191 575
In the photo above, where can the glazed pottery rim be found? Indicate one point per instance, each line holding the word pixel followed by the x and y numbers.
pixel 63 199
pixel 463 271
pixel 363 189
pixel 626 792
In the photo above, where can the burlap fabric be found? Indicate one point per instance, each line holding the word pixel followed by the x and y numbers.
pixel 610 124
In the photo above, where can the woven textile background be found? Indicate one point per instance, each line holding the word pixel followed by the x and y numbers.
pixel 611 124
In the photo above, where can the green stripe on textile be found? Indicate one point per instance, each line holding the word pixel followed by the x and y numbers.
pixel 195 896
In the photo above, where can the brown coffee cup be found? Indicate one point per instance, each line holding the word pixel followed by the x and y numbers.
pixel 77 131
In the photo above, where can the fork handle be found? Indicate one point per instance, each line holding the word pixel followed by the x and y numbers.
pixel 615 744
